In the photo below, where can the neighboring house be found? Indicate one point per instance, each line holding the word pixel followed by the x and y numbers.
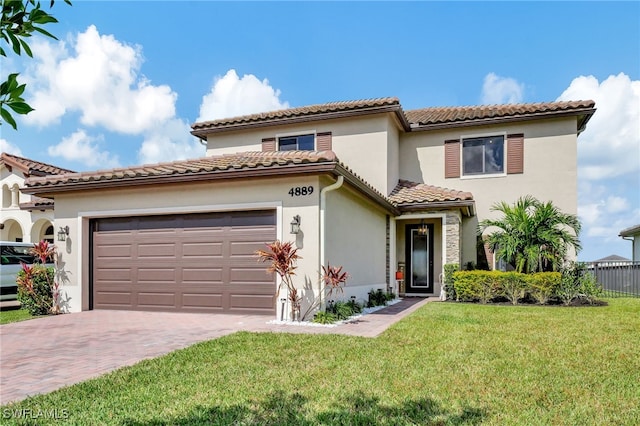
pixel 633 234
pixel 373 188
pixel 612 258
pixel 24 217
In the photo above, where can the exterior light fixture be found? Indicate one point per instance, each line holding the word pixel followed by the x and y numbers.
pixel 295 224
pixel 423 230
pixel 62 233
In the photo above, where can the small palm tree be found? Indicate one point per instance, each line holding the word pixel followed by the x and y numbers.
pixel 532 236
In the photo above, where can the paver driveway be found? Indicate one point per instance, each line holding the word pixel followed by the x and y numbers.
pixel 45 354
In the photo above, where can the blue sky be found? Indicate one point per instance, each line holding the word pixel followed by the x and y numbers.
pixel 127 78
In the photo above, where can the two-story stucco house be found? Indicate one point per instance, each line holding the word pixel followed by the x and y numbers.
pixel 372 187
pixel 24 217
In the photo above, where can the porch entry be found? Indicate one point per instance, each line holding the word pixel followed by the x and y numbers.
pixel 419 258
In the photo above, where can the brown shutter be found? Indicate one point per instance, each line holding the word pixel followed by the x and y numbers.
pixel 323 141
pixel 269 144
pixel 515 153
pixel 452 158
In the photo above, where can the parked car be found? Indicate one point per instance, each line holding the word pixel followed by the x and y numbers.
pixel 12 254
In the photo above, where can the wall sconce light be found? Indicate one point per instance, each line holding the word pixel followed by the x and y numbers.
pixel 295 224
pixel 423 230
pixel 62 233
pixel 1 225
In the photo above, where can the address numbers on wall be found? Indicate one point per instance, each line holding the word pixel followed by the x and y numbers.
pixel 301 191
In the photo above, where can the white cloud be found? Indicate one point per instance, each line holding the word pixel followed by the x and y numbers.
pixel 99 77
pixel 501 90
pixel 169 142
pixel 85 149
pixel 610 146
pixel 9 148
pixel 231 96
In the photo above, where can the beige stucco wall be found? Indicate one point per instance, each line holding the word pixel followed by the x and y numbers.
pixel 550 168
pixel 355 239
pixel 366 144
pixel 76 209
pixel 24 224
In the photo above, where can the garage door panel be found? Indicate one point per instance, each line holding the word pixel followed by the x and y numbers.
pixel 118 251
pixel 156 275
pixel 251 302
pixel 156 250
pixel 202 300
pixel 157 299
pixel 201 262
pixel 201 249
pixel 203 275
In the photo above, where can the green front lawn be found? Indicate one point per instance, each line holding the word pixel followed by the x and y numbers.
pixel 445 364
pixel 14 315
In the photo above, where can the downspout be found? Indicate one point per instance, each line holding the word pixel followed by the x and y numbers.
pixel 323 201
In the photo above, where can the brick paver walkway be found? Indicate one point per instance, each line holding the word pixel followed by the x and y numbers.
pixel 44 354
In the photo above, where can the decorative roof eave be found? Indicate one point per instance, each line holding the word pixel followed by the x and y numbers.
pixel 583 114
pixel 203 132
pixel 468 207
pixel 331 167
pixel 630 232
pixel 26 166
pixel 37 205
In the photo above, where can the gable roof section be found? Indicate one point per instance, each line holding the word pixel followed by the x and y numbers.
pixel 31 167
pixel 302 114
pixel 37 203
pixel 442 117
pixel 228 166
pixel 412 120
pixel 409 195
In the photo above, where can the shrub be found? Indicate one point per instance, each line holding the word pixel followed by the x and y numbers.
pixel 323 317
pixel 355 306
pixel 471 286
pixel 376 298
pixel 341 310
pixel 511 285
pixel 543 285
pixel 449 287
pixel 35 288
pixel 578 282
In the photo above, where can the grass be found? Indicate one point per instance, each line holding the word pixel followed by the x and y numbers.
pixel 14 315
pixel 445 364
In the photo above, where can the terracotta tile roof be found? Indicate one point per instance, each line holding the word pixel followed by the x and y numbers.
pixel 31 167
pixel 199 166
pixel 333 108
pixel 407 192
pixel 441 115
pixel 37 203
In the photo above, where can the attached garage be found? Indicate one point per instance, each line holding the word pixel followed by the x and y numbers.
pixel 201 262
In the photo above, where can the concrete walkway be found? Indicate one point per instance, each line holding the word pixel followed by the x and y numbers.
pixel 45 354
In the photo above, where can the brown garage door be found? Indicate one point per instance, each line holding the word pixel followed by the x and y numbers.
pixel 196 262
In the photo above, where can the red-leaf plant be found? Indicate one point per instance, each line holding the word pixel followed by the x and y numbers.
pixel 43 251
pixel 282 258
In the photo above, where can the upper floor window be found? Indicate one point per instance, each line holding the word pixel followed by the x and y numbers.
pixel 299 143
pixel 483 155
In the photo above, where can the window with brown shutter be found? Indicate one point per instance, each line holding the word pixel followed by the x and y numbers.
pixel 323 141
pixel 515 153
pixel 452 158
pixel 268 144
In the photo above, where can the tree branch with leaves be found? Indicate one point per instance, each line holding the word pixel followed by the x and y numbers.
pixel 20 20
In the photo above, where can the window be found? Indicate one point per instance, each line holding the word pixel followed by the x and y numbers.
pixel 300 143
pixel 483 156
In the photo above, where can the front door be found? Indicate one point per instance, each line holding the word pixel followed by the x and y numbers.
pixel 419 258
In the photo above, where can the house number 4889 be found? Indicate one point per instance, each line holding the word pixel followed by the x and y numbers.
pixel 298 191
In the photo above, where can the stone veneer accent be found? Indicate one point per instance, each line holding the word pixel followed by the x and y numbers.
pixel 454 238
